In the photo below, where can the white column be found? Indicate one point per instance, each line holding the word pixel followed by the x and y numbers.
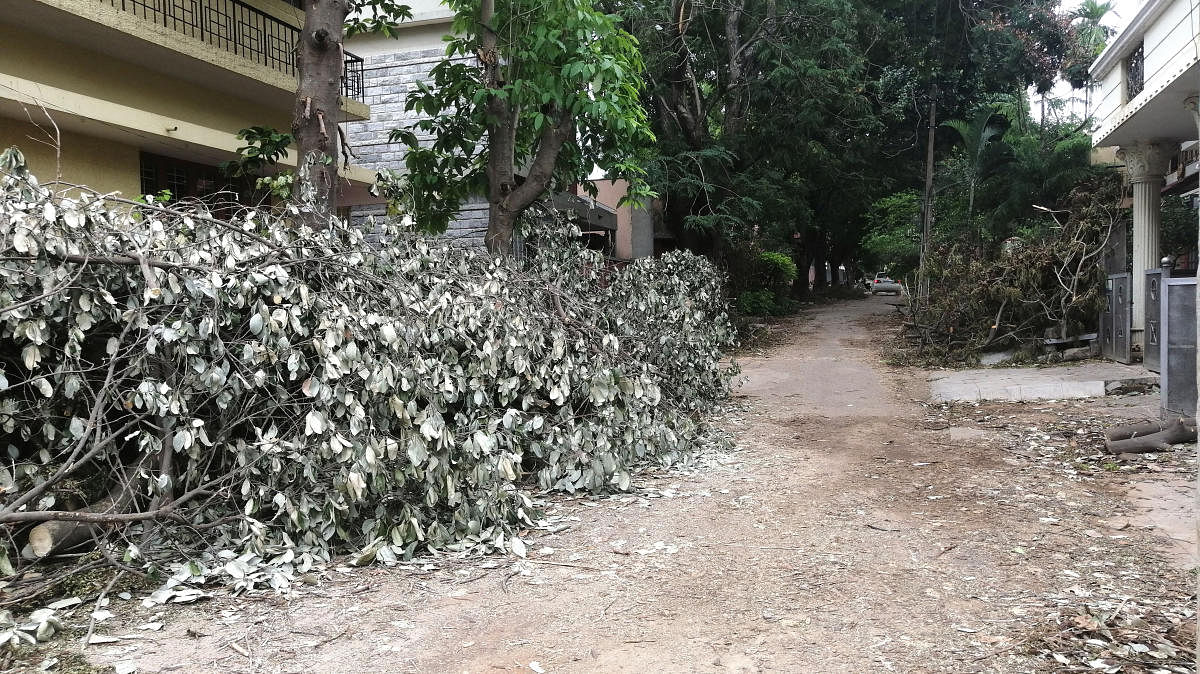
pixel 1193 103
pixel 1147 165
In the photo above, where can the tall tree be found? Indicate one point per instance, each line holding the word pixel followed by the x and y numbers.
pixel 531 97
pixel 759 105
pixel 1089 36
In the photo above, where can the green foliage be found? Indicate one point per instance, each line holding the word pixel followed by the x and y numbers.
pixel 1088 38
pixel 1010 297
pixel 279 185
pixel 1020 42
pixel 770 278
pixel 1006 171
pixel 725 163
pixel 163 196
pixel 264 148
pixel 321 394
pixel 759 302
pixel 893 234
pixel 775 269
pixel 563 57
pixel 378 17
pixel 1178 225
pixel 1047 163
pixel 981 153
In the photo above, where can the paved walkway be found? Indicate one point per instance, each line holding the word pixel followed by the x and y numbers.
pixel 1072 380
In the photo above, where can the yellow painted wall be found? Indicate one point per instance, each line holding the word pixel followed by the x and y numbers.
pixel 101 164
pixel 72 68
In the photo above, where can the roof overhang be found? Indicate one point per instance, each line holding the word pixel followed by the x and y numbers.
pixel 1129 38
pixel 587 208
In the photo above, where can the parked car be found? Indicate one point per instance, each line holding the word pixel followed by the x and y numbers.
pixel 883 284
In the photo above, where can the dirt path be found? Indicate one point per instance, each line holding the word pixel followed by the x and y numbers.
pixel 844 536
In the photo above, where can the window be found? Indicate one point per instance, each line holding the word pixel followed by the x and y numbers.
pixel 1135 72
pixel 190 180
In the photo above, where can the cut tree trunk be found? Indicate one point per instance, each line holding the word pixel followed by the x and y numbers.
pixel 320 60
pixel 60 536
pixel 1137 430
pixel 1139 438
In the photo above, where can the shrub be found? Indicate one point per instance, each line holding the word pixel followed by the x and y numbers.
pixel 281 394
pixel 775 269
pixel 756 303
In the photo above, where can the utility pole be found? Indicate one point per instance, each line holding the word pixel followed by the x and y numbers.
pixel 927 202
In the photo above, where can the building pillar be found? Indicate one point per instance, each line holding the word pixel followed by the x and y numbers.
pixel 1193 103
pixel 1147 165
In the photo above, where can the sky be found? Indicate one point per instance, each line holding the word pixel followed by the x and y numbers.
pixel 1123 11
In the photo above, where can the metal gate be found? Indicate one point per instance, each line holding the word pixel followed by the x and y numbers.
pixel 1177 378
pixel 1151 354
pixel 1116 319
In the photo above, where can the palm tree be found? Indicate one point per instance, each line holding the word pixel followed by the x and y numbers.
pixel 1087 19
pixel 1091 35
pixel 977 136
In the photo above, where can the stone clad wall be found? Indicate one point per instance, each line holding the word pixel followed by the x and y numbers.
pixel 389 77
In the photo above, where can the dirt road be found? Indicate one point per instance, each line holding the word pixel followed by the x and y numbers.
pixel 843 536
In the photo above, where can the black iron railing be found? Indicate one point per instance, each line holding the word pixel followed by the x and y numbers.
pixel 1135 71
pixel 240 29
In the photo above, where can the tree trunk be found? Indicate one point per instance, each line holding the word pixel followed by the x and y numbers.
pixel 319 62
pixel 59 536
pixel 501 227
pixel 1182 429
pixel 1138 430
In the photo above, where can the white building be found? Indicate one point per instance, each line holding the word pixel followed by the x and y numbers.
pixel 1146 106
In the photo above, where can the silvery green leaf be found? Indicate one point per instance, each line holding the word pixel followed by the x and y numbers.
pixel 314 423
pixel 311 387
pixel 31 355
pixel 64 603
pixel 517 546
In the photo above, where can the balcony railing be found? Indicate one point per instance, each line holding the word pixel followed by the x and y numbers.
pixel 240 29
pixel 1135 71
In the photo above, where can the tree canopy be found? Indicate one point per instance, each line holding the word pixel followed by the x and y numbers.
pixel 531 96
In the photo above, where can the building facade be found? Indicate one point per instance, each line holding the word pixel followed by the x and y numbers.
pixel 391 69
pixel 1148 83
pixel 150 94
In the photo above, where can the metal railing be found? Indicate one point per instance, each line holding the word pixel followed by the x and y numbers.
pixel 238 28
pixel 1135 72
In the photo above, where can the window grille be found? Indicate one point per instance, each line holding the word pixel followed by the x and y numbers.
pixel 1134 71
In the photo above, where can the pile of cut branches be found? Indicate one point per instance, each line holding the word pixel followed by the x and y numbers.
pixel 198 394
pixel 1051 283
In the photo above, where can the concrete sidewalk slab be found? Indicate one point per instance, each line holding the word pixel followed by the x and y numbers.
pixel 1060 382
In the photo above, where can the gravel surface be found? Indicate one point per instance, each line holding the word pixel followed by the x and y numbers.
pixel 856 528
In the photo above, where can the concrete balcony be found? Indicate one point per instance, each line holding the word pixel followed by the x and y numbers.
pixel 1146 73
pixel 245 48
